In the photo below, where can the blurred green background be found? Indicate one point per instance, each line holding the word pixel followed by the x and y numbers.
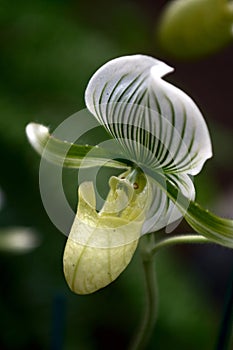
pixel 48 51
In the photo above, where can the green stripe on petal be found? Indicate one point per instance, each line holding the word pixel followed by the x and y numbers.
pixel 216 229
pixel 157 124
pixel 69 154
pixel 162 211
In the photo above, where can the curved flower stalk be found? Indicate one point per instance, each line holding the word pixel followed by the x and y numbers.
pixel 194 28
pixel 159 132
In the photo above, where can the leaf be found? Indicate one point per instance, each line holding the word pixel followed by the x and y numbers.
pixel 218 230
pixel 69 154
pixel 157 124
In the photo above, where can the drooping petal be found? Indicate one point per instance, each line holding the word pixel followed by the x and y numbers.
pixel 157 124
pixel 68 154
pixel 101 245
pixel 163 211
pixel 216 229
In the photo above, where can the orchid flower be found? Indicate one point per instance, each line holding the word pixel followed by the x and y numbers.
pixel 160 142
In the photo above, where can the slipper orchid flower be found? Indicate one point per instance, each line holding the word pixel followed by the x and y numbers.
pixel 161 141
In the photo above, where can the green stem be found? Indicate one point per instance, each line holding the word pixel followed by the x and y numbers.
pixel 166 241
pixel 150 244
pixel 150 312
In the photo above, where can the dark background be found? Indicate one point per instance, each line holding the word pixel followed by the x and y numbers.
pixel 48 52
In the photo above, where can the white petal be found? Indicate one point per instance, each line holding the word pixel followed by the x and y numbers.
pixel 157 124
pixel 163 211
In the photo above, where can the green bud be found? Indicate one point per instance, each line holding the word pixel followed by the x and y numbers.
pixel 195 28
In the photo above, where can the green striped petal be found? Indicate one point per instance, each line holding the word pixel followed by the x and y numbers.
pixel 162 211
pixel 69 154
pixel 157 124
pixel 216 229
